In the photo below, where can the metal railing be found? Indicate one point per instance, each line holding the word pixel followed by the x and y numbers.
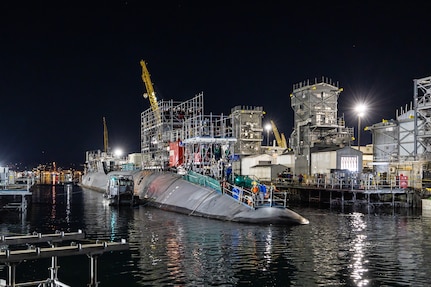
pixel 360 184
pixel 271 198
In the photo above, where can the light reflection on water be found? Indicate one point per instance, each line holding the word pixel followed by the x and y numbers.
pixel 168 249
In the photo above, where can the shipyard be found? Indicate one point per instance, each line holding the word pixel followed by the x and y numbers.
pixel 227 143
pixel 322 161
pixel 218 167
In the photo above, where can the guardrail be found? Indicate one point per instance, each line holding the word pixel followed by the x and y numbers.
pixel 252 200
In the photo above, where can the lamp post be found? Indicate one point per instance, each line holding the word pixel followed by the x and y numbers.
pixel 360 109
pixel 267 128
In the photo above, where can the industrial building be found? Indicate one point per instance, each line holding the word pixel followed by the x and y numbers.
pixel 402 146
pixel 180 135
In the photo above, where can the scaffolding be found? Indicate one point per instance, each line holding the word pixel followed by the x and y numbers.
pixel 247 128
pixel 206 140
pixel 178 120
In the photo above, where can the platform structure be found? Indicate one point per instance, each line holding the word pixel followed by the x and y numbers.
pixel 12 256
pixel 345 196
pixel 15 199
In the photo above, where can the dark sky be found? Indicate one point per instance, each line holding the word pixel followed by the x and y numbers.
pixel 67 64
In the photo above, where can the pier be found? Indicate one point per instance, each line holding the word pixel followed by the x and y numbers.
pixel 352 193
pixel 16 253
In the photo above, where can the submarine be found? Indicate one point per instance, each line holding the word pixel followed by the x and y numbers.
pixel 171 192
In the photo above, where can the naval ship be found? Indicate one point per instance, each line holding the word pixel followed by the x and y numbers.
pixel 188 193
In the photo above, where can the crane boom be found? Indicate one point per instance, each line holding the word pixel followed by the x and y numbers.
pixel 150 94
pixel 281 140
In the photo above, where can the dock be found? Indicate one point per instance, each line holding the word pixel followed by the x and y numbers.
pixel 353 195
pixel 58 247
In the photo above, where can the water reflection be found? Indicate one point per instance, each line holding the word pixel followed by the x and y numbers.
pixel 357 250
pixel 337 248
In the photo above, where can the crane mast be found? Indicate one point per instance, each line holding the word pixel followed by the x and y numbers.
pixel 150 94
pixel 105 136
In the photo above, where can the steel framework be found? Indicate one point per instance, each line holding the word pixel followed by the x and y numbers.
pixel 316 121
pixel 422 122
pixel 207 139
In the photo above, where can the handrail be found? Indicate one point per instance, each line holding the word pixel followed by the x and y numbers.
pixel 247 197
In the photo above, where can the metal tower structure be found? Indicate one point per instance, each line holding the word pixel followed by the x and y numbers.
pixel 316 123
pixel 247 129
pixel 422 122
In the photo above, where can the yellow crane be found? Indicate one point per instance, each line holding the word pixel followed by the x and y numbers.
pixel 150 94
pixel 105 136
pixel 281 140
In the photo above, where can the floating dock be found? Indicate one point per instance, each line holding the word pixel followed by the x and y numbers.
pixel 11 258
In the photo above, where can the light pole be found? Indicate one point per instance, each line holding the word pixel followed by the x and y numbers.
pixel 360 109
pixel 267 128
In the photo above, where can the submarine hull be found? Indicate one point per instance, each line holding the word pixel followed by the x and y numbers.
pixel 171 192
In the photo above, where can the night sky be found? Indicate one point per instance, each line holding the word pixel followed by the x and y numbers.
pixel 67 64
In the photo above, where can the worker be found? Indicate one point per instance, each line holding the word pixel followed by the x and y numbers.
pixel 300 178
pixel 254 190
pixel 262 193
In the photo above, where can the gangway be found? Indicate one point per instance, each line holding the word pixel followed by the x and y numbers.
pixel 11 257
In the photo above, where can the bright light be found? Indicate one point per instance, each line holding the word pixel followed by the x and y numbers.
pixel 360 109
pixel 118 152
pixel 268 127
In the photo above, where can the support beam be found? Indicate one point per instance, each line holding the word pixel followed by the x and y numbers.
pixel 80 249
pixel 41 238
pixel 93 271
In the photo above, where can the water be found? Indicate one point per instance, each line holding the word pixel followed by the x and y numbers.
pixel 349 248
